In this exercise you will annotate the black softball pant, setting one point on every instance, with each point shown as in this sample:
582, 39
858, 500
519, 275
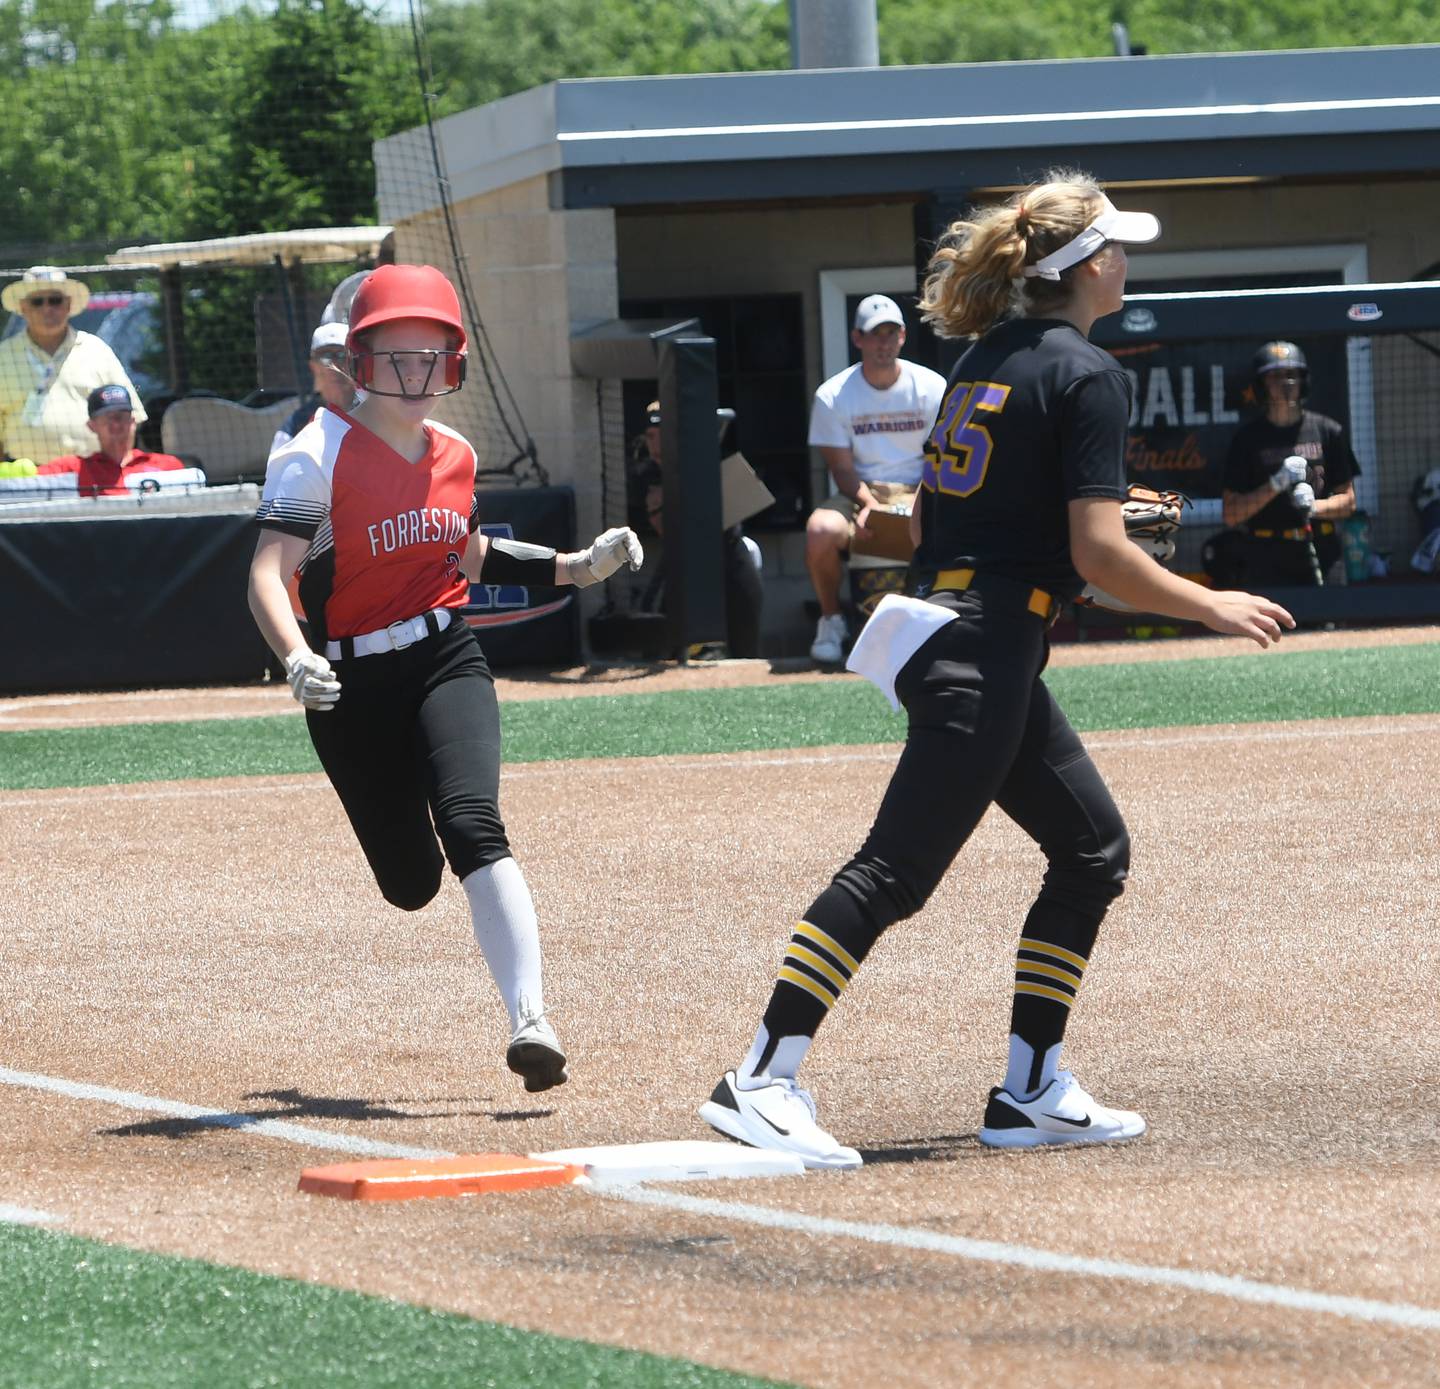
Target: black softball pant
415, 737
984, 728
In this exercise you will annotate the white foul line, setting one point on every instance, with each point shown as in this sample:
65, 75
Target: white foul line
24, 1215
214, 1118
1040, 1260
897, 1236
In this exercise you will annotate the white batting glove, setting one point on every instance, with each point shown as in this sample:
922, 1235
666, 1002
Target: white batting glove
1290, 472
1303, 498
605, 555
312, 680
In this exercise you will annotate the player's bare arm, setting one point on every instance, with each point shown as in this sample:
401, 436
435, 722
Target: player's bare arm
841, 463
312, 679
1105, 557
1336, 506
1238, 507
276, 555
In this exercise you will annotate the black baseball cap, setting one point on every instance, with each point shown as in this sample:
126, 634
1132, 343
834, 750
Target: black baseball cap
105, 400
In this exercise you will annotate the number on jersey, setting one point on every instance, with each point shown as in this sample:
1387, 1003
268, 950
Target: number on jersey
957, 453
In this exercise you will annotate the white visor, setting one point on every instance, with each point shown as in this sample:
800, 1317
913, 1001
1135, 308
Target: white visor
1110, 225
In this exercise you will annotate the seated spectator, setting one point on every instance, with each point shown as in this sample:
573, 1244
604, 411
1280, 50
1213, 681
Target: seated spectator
744, 594
870, 423
48, 372
103, 473
329, 378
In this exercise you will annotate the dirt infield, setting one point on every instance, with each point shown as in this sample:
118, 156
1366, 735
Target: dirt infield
1264, 992
142, 706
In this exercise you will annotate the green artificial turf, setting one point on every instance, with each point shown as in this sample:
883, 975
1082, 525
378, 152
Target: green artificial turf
75, 1314
1265, 687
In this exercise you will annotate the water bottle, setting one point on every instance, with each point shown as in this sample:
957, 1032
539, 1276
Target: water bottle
1355, 543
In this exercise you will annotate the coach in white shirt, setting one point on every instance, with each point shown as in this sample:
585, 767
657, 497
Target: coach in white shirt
870, 423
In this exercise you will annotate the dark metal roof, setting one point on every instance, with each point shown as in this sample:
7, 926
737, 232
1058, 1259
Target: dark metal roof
857, 132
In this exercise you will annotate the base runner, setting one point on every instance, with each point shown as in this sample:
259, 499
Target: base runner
375, 511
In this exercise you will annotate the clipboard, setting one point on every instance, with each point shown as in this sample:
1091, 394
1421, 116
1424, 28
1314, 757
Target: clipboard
742, 494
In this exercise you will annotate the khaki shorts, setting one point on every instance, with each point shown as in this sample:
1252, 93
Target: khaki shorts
889, 537
886, 493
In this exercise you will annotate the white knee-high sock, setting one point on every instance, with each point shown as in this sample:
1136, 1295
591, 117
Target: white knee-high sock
503, 916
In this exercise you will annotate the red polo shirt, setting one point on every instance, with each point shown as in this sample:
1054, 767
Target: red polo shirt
102, 476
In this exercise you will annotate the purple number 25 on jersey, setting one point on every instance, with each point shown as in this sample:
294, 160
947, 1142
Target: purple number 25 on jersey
957, 453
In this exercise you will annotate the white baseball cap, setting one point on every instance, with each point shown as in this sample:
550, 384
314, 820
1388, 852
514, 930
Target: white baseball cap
328, 335
1110, 225
874, 310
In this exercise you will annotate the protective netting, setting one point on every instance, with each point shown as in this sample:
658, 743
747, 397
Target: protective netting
138, 135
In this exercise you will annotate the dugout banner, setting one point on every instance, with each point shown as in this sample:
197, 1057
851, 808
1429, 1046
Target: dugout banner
1190, 399
153, 601
127, 603
520, 626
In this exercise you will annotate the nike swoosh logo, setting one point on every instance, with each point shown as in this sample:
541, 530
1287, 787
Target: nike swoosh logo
785, 1133
1061, 1119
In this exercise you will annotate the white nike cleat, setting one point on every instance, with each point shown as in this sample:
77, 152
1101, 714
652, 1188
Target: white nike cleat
535, 1053
778, 1115
1061, 1113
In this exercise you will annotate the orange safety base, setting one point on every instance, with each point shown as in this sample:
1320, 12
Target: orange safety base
406, 1179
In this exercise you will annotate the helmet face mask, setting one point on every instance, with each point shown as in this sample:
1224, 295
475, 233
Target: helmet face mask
1279, 356
407, 363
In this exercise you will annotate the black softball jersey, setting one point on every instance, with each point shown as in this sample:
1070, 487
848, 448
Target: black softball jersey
1034, 416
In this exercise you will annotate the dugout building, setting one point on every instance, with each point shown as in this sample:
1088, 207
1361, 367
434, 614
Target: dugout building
766, 204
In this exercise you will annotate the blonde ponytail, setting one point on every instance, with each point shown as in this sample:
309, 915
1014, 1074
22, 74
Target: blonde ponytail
974, 276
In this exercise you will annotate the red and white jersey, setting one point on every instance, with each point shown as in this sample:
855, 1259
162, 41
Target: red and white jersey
386, 535
99, 475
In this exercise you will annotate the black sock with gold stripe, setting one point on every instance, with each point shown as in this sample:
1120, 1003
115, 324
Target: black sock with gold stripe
826, 948
1049, 967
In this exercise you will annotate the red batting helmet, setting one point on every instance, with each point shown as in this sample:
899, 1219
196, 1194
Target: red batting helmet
392, 292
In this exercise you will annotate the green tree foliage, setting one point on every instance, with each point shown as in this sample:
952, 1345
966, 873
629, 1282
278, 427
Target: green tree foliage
948, 31
314, 83
77, 155
148, 120
309, 86
493, 48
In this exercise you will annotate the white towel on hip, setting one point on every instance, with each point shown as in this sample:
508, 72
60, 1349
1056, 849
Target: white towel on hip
897, 629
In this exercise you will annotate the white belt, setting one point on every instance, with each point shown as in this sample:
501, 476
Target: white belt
396, 637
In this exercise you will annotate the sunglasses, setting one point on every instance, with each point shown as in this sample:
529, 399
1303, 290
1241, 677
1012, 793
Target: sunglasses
47, 301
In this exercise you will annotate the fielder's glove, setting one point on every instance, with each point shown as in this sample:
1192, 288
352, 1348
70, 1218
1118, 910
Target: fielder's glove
1151, 520
312, 680
1290, 472
604, 557
1303, 499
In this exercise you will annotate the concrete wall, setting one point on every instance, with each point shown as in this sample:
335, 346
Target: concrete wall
1398, 222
